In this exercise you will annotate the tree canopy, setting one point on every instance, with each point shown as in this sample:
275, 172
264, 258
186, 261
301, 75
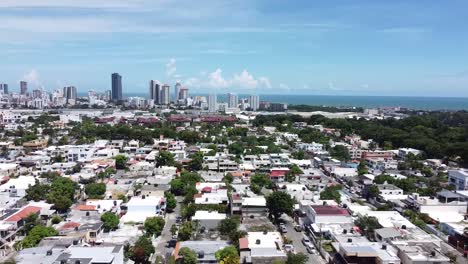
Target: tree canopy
110, 221
279, 203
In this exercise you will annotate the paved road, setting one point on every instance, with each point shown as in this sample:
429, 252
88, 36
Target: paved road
166, 235
296, 237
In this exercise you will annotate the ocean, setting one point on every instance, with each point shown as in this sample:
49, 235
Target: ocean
412, 102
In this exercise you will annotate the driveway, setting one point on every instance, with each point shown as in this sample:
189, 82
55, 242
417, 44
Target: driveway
296, 238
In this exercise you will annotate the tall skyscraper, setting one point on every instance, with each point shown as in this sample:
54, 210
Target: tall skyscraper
69, 94
116, 87
254, 102
183, 94
233, 101
177, 88
165, 98
23, 87
212, 103
155, 91
4, 88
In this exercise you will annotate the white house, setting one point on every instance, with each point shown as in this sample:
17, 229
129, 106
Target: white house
207, 219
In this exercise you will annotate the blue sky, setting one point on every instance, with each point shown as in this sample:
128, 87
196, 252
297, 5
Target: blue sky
267, 46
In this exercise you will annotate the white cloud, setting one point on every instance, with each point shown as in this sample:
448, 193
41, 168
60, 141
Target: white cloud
216, 79
265, 82
32, 77
171, 67
283, 86
244, 80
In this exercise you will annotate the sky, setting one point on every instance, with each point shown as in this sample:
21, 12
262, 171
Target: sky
360, 47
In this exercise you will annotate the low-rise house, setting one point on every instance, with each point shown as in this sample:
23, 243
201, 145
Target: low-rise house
404, 152
415, 254
366, 252
140, 208
446, 207
205, 249
73, 254
459, 179
208, 219
326, 214
17, 186
261, 247
9, 169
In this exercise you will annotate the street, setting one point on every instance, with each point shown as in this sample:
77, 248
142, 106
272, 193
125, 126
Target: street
166, 235
296, 237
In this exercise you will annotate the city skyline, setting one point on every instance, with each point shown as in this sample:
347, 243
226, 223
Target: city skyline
270, 47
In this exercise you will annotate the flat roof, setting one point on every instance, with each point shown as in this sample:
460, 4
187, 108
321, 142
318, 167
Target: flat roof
329, 210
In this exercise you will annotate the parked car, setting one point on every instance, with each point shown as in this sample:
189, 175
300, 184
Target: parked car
298, 228
283, 229
311, 249
289, 248
305, 240
172, 243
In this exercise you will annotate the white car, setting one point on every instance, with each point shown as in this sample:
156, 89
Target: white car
289, 248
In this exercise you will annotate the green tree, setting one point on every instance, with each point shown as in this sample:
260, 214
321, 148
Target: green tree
62, 193
225, 253
299, 258
261, 180
110, 221
56, 219
95, 190
279, 203
228, 178
165, 158
362, 167
35, 235
228, 225
120, 162
30, 222
196, 162
340, 152
331, 193
37, 192
185, 231
171, 202
368, 224
188, 256
177, 187
154, 225
141, 251
373, 191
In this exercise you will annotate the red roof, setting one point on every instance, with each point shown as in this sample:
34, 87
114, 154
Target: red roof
84, 207
206, 189
70, 225
329, 210
278, 173
23, 213
243, 243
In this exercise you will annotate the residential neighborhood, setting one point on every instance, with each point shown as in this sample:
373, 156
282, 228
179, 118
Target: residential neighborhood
109, 186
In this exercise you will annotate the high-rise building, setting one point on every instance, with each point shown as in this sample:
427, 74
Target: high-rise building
4, 88
37, 93
23, 87
69, 94
155, 91
165, 98
177, 88
116, 87
233, 101
183, 94
254, 102
212, 103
